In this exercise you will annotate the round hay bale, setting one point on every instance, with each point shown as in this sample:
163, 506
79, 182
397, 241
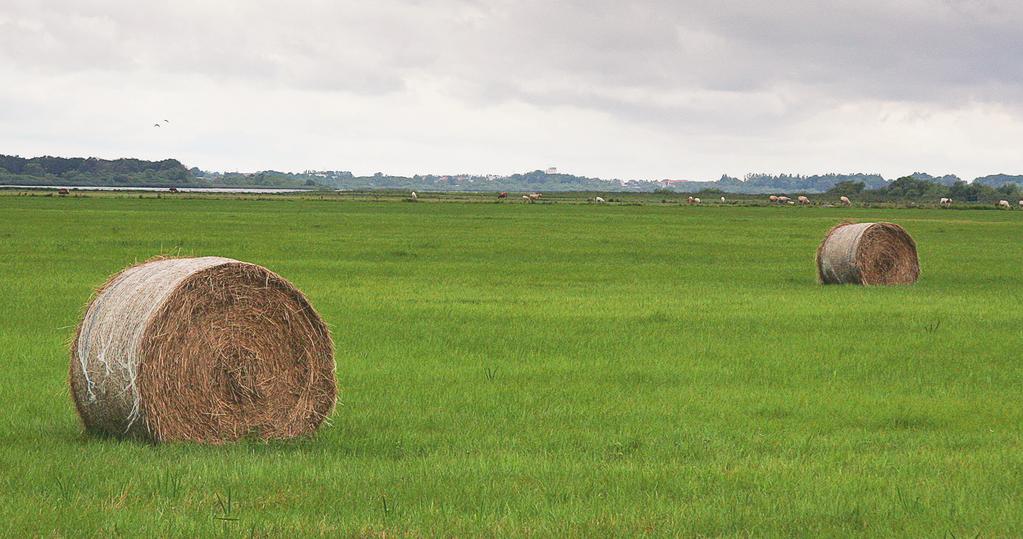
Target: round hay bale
868, 254
202, 349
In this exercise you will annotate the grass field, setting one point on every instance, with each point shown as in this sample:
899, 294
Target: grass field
566, 370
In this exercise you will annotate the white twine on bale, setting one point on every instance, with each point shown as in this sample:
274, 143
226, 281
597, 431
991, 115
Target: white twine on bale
838, 254
115, 324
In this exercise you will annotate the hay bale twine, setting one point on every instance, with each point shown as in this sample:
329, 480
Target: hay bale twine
869, 254
203, 349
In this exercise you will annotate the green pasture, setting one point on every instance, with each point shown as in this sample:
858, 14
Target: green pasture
563, 370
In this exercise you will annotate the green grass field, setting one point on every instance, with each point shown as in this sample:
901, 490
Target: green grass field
546, 370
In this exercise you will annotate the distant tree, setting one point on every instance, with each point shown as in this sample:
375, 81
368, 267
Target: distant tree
846, 188
33, 169
912, 188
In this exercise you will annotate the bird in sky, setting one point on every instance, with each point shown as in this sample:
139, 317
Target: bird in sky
156, 125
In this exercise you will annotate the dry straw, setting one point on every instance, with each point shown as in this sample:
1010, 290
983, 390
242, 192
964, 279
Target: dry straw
202, 349
867, 253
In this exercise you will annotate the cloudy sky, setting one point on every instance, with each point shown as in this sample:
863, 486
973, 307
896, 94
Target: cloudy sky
648, 89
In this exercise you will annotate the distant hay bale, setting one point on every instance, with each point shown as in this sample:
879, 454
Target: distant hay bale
202, 349
867, 254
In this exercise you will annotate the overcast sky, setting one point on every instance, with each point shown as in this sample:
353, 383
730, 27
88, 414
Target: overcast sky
680, 89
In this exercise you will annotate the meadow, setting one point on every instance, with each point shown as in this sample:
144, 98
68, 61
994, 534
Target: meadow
546, 370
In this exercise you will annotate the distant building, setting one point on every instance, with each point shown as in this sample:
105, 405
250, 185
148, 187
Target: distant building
551, 170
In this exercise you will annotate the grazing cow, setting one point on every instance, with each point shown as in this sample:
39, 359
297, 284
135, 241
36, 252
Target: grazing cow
772, 199
599, 200
63, 191
789, 202
1004, 204
945, 202
697, 201
173, 189
526, 199
845, 201
803, 201
690, 200
413, 197
784, 200
1021, 203
502, 194
722, 200
535, 196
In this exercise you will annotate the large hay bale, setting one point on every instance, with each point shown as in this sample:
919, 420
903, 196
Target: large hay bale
204, 349
869, 254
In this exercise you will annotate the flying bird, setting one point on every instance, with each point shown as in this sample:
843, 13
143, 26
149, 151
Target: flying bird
156, 125
166, 121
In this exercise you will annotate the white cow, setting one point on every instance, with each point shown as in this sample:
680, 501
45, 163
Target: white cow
784, 200
722, 200
599, 200
845, 201
697, 201
1021, 203
1004, 204
946, 202
690, 200
772, 198
526, 199
413, 197
804, 201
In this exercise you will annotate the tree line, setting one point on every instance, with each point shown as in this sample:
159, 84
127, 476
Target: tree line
91, 171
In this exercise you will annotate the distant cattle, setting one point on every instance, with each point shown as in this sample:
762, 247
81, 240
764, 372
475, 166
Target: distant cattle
526, 199
413, 197
1004, 204
946, 202
697, 201
804, 201
845, 201
1021, 203
722, 200
63, 191
173, 189
789, 202
535, 196
772, 198
784, 200
690, 200
599, 200
502, 195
